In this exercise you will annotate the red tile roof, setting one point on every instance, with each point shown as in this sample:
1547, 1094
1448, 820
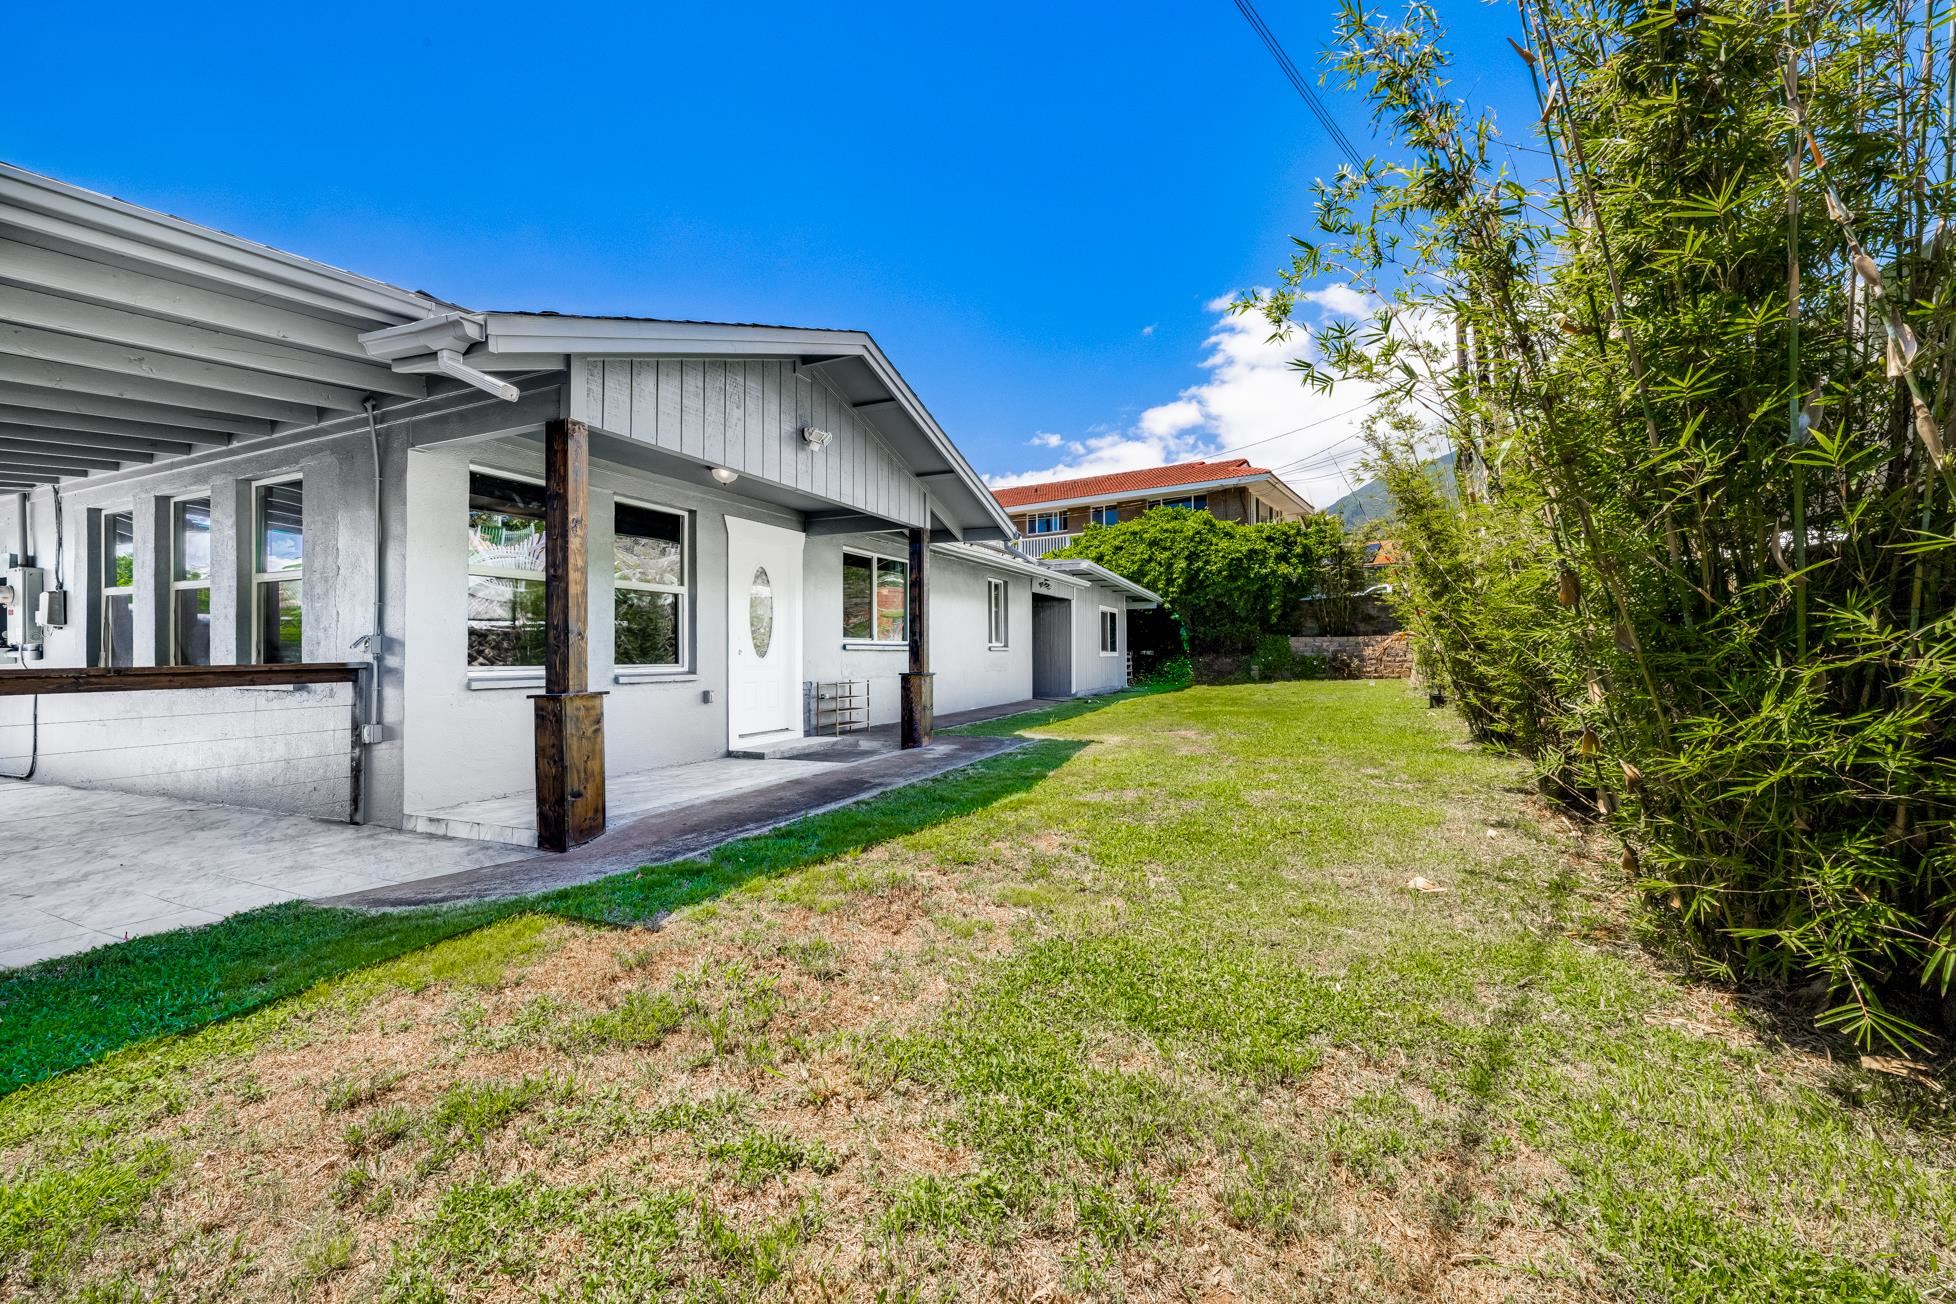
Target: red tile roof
1123, 482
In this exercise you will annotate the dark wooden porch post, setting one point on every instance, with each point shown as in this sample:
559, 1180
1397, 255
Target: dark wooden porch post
569, 717
915, 730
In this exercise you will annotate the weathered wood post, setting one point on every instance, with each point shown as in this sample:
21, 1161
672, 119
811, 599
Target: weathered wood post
569, 717
917, 711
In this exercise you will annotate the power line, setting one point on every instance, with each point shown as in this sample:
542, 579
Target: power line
1298, 83
1308, 425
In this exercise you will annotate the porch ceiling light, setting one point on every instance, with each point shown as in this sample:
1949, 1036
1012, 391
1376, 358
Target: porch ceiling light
725, 474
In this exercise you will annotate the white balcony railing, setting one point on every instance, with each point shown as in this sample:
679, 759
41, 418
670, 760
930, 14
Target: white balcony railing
1038, 545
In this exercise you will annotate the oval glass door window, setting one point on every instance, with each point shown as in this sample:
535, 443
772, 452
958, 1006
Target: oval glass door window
760, 612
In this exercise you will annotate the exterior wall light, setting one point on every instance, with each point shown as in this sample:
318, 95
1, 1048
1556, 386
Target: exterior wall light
816, 439
725, 474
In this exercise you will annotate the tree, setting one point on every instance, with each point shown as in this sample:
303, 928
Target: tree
1229, 583
1696, 367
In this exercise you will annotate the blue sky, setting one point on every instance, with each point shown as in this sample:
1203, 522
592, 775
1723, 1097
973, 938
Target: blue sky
1034, 208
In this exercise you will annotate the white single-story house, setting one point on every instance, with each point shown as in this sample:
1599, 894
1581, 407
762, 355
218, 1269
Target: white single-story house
280, 535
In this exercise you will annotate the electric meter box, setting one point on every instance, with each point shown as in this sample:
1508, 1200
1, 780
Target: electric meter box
21, 596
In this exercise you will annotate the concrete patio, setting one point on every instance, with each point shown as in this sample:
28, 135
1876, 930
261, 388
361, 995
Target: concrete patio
90, 866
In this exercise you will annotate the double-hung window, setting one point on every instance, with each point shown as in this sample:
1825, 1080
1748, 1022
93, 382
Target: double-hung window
118, 573
278, 572
1110, 632
875, 599
1046, 523
996, 612
648, 569
505, 600
190, 582
1105, 516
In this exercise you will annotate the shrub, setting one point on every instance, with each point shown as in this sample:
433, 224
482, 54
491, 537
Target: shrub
1227, 582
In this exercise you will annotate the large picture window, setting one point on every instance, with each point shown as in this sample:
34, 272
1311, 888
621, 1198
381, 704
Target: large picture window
875, 599
505, 605
118, 575
648, 569
190, 582
278, 572
1046, 523
1193, 503
997, 609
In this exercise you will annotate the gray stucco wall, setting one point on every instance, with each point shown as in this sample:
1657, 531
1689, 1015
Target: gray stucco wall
1094, 671
470, 734
969, 672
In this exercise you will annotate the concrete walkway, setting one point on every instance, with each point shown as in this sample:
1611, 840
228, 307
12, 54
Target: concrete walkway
86, 866
690, 829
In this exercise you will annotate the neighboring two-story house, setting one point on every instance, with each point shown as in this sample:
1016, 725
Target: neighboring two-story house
1051, 515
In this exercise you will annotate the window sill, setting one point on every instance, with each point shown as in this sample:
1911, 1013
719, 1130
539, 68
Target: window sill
998, 647
654, 677
512, 678
866, 645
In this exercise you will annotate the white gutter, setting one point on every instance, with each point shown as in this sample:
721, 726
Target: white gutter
997, 558
434, 346
1080, 566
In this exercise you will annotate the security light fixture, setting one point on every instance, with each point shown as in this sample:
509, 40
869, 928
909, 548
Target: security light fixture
817, 440
725, 474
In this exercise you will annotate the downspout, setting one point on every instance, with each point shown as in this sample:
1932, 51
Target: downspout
34, 702
371, 729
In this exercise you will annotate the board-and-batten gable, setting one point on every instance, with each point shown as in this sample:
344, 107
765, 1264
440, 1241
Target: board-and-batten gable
748, 415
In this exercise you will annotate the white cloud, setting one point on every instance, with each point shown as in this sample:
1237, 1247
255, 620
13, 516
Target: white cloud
1046, 439
1149, 329
1251, 400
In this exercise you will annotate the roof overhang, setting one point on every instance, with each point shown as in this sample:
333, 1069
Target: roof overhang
1000, 559
1081, 568
128, 336
848, 361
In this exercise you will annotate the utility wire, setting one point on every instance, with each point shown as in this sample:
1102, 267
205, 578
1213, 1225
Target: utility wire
1308, 425
1299, 83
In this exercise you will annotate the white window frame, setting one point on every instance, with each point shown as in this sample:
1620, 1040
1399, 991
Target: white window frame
176, 555
873, 641
998, 615
103, 652
1058, 520
1114, 627
496, 676
1105, 515
259, 578
684, 589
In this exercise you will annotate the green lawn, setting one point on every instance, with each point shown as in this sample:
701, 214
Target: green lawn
1146, 1010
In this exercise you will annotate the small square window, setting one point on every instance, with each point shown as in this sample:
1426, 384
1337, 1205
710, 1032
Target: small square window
875, 599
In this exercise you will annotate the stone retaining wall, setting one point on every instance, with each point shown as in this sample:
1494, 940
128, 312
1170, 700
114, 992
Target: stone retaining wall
1360, 656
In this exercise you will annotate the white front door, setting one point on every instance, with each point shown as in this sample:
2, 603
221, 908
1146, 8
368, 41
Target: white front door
763, 630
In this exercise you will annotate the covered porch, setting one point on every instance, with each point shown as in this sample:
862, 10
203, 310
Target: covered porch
218, 457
